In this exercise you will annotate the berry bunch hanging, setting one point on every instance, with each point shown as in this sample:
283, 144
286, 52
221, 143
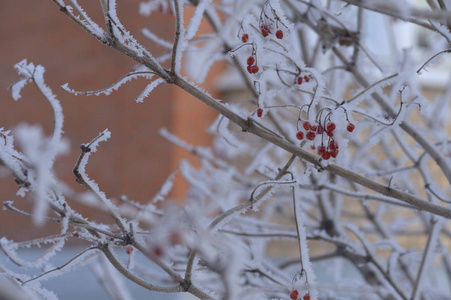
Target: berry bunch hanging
252, 67
323, 133
251, 62
270, 22
300, 79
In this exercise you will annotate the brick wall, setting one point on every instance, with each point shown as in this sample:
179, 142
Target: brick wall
136, 160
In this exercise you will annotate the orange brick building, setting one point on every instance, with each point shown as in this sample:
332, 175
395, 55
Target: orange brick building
136, 160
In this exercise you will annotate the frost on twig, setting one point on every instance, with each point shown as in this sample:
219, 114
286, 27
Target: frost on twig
92, 27
74, 262
108, 90
179, 40
33, 168
149, 88
83, 179
256, 222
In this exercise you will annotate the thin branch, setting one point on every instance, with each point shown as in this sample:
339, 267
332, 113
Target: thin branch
72, 220
8, 205
405, 125
178, 31
371, 86
425, 260
251, 201
431, 59
127, 274
370, 255
85, 151
185, 285
107, 90
62, 266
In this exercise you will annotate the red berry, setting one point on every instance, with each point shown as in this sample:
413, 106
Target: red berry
306, 78
331, 126
313, 147
334, 153
279, 34
259, 112
300, 135
306, 297
325, 155
314, 127
129, 249
158, 251
310, 135
294, 294
299, 80
250, 60
306, 125
321, 150
320, 129
330, 133
350, 127
252, 69
264, 29
245, 38
333, 145
255, 69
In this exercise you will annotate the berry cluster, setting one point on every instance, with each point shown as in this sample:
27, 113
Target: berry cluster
266, 31
300, 79
295, 294
252, 67
270, 20
328, 149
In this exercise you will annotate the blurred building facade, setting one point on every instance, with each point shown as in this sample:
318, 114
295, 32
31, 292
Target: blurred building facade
136, 160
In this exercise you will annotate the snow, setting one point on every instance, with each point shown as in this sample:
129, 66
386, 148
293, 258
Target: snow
83, 17
17, 87
149, 88
195, 20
